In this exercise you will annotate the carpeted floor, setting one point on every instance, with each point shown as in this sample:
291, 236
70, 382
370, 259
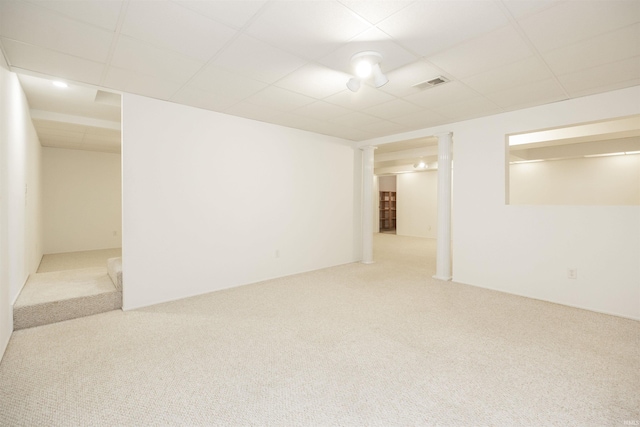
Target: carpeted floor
355, 345
77, 260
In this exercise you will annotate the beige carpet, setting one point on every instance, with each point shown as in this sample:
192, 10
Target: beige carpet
76, 260
356, 345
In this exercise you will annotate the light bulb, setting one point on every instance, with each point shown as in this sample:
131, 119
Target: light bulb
363, 69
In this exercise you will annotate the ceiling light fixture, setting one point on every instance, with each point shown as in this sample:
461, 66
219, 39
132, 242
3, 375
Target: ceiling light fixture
366, 65
60, 84
421, 165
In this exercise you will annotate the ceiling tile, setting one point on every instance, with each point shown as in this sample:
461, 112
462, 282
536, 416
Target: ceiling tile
572, 21
392, 109
393, 56
469, 108
252, 111
315, 81
215, 79
445, 94
427, 27
45, 61
322, 111
521, 8
382, 128
535, 93
422, 119
500, 47
140, 84
257, 60
75, 100
355, 119
42, 27
135, 55
606, 77
103, 13
375, 11
365, 97
170, 26
279, 99
610, 47
200, 98
217, 89
229, 12
310, 29
402, 80
525, 71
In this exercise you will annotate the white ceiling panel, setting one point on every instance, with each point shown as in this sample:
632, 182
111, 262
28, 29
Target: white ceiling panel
214, 79
322, 110
326, 81
219, 89
603, 78
572, 21
375, 10
526, 71
102, 13
427, 27
73, 100
229, 12
392, 109
310, 29
402, 80
140, 84
45, 61
469, 108
393, 55
252, 111
287, 62
525, 95
170, 26
444, 94
422, 119
258, 60
383, 128
521, 8
364, 98
200, 98
41, 27
355, 119
498, 48
279, 99
132, 54
610, 47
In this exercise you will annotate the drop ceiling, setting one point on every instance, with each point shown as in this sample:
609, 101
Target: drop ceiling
287, 62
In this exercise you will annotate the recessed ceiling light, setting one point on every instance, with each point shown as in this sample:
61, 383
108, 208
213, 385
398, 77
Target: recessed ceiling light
60, 84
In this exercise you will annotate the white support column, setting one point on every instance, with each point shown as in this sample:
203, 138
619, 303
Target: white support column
367, 204
443, 254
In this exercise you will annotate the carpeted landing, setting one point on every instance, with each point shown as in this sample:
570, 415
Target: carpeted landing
67, 286
354, 345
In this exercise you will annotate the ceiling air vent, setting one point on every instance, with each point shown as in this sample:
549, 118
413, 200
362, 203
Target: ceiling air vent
431, 83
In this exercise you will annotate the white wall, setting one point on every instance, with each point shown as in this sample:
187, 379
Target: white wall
417, 204
20, 220
82, 200
526, 250
387, 183
212, 201
609, 180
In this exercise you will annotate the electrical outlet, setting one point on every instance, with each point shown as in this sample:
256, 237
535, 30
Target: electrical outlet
277, 253
572, 273
115, 233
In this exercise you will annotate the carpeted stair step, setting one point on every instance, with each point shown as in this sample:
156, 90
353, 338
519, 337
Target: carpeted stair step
63, 295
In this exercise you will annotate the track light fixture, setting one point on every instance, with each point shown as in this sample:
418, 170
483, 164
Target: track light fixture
366, 65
